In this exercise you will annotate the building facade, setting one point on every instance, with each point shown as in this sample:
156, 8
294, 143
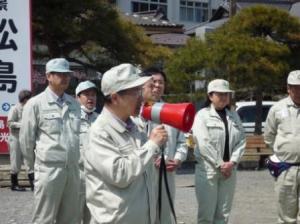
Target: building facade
186, 12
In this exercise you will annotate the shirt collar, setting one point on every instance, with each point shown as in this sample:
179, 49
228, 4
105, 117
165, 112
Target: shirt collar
52, 97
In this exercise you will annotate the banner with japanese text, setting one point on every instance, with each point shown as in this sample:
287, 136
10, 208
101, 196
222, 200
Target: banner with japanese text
15, 58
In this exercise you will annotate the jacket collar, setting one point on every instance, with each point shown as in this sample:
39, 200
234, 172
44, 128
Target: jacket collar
290, 102
87, 117
213, 112
114, 121
52, 97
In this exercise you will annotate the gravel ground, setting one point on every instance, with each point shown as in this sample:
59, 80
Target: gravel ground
254, 201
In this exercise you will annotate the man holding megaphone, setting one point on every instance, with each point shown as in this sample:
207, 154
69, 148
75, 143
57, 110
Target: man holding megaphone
175, 150
119, 167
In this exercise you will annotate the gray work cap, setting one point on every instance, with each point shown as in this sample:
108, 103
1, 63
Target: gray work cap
59, 65
84, 86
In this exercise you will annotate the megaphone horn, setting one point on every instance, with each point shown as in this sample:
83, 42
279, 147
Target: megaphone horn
180, 115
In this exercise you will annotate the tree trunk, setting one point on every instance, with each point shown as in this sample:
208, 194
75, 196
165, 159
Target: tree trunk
258, 112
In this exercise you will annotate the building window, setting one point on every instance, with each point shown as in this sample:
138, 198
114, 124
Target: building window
192, 11
149, 5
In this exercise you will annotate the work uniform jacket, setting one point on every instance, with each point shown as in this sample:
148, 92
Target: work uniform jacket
86, 122
282, 132
85, 125
214, 192
119, 173
14, 124
14, 119
50, 128
209, 132
51, 131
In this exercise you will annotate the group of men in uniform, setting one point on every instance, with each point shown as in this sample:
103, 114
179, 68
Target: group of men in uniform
97, 169
104, 169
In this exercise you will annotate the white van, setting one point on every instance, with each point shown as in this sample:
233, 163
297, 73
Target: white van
246, 111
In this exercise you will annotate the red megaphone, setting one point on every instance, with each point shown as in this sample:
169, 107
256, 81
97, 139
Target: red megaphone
179, 115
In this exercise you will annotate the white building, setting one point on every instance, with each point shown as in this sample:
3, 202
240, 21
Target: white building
186, 12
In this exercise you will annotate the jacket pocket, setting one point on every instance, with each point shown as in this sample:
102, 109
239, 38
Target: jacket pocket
53, 122
215, 131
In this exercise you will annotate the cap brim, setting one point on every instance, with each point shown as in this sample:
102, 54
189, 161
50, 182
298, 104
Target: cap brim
60, 71
138, 82
294, 83
221, 91
81, 90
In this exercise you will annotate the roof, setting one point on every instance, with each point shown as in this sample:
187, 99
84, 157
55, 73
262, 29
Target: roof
213, 25
160, 30
223, 11
150, 20
171, 39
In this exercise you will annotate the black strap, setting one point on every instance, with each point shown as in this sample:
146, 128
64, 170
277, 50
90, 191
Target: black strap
163, 173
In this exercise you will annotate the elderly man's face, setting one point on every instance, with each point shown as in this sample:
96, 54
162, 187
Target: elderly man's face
294, 92
131, 101
88, 98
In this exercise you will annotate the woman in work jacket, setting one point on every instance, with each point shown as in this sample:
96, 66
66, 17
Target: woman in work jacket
220, 143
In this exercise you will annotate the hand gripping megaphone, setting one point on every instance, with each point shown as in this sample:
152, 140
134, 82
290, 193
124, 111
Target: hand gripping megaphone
179, 115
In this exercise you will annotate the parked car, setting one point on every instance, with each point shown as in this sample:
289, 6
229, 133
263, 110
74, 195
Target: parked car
246, 111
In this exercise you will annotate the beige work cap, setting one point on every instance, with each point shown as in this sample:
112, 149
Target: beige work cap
121, 77
219, 85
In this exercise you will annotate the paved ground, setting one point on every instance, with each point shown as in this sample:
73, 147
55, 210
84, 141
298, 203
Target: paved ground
254, 201
253, 204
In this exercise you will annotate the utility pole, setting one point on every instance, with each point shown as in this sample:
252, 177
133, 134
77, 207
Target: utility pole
232, 8
209, 9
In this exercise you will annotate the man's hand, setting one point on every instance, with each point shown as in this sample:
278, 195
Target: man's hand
226, 169
159, 135
171, 165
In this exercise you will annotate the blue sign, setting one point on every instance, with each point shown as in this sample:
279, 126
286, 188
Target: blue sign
5, 107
